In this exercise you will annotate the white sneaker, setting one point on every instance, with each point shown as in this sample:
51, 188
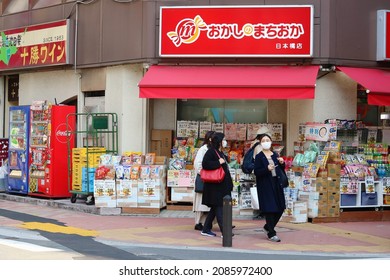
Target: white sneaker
274, 239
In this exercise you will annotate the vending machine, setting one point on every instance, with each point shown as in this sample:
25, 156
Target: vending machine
48, 149
18, 152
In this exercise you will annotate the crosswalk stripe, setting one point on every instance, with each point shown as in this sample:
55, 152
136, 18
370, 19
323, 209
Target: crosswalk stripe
27, 246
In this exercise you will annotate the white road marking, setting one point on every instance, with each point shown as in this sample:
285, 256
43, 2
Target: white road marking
27, 246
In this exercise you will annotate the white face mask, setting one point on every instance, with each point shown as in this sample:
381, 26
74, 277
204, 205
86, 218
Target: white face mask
224, 143
266, 145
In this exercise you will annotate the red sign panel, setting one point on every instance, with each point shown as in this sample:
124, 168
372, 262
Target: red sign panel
34, 46
246, 31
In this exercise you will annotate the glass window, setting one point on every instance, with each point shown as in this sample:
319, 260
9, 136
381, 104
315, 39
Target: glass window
45, 3
222, 111
16, 6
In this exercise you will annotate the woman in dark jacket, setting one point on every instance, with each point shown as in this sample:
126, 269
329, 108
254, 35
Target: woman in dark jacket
270, 181
213, 193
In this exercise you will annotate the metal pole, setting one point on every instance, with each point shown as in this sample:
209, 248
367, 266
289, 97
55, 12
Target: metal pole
227, 221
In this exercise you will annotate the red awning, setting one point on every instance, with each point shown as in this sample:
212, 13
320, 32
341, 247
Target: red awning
375, 80
229, 82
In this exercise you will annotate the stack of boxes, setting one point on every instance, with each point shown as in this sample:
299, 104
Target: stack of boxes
328, 189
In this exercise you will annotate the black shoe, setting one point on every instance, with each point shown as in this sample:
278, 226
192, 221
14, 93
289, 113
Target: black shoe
198, 227
233, 226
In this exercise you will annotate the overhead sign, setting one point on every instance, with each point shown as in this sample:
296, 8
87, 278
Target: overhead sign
35, 46
239, 31
383, 35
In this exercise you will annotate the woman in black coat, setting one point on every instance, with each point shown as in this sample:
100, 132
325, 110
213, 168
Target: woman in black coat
270, 181
213, 193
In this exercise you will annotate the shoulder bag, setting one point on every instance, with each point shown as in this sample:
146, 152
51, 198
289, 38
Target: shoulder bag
214, 175
198, 184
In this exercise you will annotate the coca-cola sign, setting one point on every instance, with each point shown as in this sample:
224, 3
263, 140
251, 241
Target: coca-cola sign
265, 31
63, 134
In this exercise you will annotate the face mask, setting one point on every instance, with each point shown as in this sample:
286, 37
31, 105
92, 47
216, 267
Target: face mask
266, 145
224, 143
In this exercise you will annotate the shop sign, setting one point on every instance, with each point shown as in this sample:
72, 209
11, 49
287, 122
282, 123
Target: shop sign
35, 46
320, 132
383, 35
246, 31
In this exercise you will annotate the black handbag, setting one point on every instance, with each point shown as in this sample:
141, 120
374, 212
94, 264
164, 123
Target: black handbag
283, 180
198, 184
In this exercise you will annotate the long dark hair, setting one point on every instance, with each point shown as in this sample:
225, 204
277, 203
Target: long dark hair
207, 138
216, 140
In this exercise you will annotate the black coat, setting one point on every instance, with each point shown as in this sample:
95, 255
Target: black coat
271, 196
213, 193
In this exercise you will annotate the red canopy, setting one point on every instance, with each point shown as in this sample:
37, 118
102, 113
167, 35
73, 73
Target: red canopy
229, 82
375, 80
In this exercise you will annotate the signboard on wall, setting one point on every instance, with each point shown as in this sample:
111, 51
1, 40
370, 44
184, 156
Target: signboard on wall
383, 35
35, 46
245, 31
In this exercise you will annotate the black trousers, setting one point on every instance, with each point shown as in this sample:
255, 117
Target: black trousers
271, 220
215, 211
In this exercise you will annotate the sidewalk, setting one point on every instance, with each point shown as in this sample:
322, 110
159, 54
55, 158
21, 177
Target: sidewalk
176, 229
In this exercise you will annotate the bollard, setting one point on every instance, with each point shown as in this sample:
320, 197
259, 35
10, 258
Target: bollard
227, 221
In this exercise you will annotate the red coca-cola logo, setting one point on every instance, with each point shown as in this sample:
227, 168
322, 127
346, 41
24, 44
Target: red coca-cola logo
63, 133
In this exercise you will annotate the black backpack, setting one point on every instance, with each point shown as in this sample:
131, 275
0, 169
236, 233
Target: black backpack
248, 163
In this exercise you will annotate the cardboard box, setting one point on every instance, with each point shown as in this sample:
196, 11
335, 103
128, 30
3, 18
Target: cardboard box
333, 197
320, 184
312, 209
334, 170
161, 142
182, 194
333, 210
322, 211
126, 191
105, 193
323, 197
333, 184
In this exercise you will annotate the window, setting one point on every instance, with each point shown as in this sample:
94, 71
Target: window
223, 111
15, 6
44, 3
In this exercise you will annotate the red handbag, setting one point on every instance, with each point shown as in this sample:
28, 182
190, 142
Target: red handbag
214, 175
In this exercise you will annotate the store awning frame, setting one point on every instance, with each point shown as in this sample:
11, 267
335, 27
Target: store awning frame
229, 82
376, 81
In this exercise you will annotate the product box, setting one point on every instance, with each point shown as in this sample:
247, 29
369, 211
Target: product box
182, 194
320, 184
333, 184
323, 197
161, 142
333, 197
105, 193
386, 199
348, 199
369, 198
308, 196
312, 208
151, 194
126, 191
322, 211
333, 210
334, 170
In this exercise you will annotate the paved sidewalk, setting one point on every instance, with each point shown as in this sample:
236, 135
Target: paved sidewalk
176, 229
